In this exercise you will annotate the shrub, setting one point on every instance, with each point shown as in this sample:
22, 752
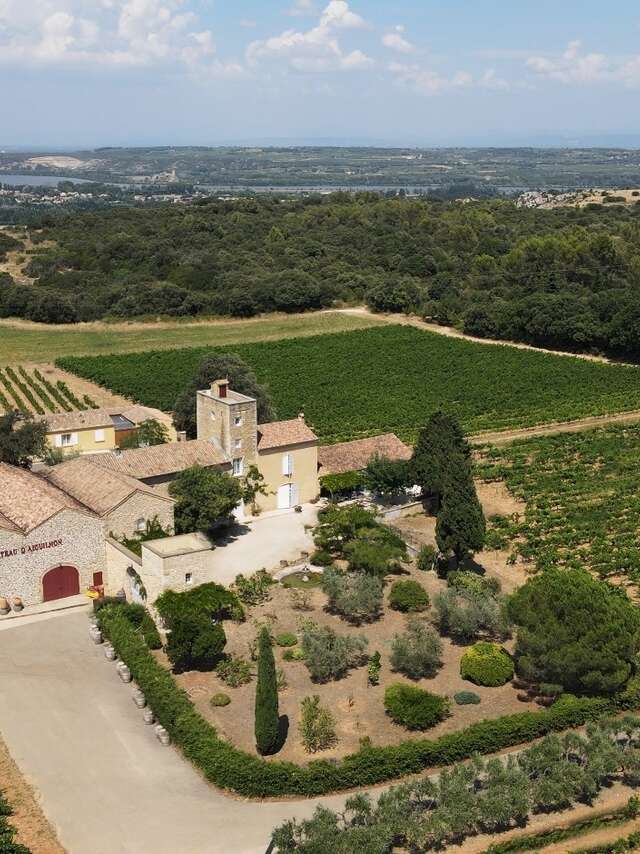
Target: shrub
211, 599
295, 654
300, 599
417, 652
255, 589
465, 614
267, 716
234, 672
286, 639
328, 655
374, 667
321, 557
356, 596
466, 580
466, 698
486, 664
414, 708
249, 776
548, 689
137, 615
8, 844
317, 725
220, 700
426, 560
408, 596
195, 643
629, 698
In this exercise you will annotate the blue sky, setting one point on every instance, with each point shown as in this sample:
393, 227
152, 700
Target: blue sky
118, 72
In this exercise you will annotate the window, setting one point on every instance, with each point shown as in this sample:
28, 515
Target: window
188, 578
238, 467
287, 465
97, 579
238, 444
99, 435
141, 525
66, 440
238, 420
213, 416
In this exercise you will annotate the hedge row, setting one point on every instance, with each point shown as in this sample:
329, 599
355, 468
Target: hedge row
240, 772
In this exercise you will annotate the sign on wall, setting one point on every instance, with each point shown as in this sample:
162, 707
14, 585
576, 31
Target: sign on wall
25, 550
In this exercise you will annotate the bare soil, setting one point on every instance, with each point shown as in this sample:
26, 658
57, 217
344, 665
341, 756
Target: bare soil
104, 398
357, 707
33, 829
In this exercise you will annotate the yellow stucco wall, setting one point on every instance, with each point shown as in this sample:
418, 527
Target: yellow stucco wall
304, 475
85, 441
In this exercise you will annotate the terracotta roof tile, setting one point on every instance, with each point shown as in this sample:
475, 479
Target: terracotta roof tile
88, 419
27, 500
158, 460
282, 434
95, 486
354, 456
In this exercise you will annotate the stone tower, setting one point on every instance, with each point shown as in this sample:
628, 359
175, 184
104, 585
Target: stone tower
229, 420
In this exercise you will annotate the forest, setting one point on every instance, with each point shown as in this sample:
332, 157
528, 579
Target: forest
564, 278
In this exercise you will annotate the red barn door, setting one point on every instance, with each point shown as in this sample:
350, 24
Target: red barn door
60, 582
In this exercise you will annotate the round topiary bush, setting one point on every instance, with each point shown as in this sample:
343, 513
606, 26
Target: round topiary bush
466, 698
408, 596
286, 639
414, 708
293, 654
220, 700
486, 664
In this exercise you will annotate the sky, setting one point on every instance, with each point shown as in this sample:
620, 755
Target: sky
84, 73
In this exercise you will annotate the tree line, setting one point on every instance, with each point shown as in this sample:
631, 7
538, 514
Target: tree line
566, 277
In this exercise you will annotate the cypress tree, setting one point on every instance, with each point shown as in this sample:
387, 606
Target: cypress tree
440, 440
266, 710
460, 526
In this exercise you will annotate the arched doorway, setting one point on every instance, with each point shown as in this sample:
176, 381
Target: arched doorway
60, 582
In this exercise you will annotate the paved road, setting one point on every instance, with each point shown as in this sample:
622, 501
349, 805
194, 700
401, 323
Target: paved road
106, 784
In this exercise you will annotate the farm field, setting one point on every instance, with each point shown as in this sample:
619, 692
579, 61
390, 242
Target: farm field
21, 341
39, 390
390, 379
581, 495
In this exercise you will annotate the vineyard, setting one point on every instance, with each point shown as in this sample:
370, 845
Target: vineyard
388, 379
581, 492
30, 391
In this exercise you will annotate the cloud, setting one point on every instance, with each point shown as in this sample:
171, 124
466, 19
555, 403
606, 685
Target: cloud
427, 81
572, 66
316, 50
302, 7
395, 40
116, 33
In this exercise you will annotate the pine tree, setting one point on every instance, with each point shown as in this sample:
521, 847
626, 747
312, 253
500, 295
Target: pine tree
460, 526
266, 710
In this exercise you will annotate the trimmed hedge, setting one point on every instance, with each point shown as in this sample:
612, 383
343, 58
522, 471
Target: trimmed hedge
487, 664
250, 776
413, 707
408, 596
466, 698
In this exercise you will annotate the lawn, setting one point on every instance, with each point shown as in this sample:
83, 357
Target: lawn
389, 379
35, 342
582, 503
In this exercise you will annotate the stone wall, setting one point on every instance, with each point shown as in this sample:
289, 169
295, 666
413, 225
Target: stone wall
118, 560
123, 520
69, 538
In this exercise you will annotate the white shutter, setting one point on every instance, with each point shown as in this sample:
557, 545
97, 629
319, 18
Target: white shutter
58, 440
74, 438
287, 464
99, 435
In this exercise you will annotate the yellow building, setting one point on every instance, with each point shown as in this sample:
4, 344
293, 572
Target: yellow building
93, 431
88, 432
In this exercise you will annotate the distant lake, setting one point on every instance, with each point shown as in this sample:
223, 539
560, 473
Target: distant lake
37, 180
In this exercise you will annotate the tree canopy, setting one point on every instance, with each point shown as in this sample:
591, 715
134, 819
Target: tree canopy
574, 631
216, 366
22, 439
205, 499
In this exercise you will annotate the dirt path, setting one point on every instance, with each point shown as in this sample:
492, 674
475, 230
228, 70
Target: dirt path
598, 837
503, 437
33, 829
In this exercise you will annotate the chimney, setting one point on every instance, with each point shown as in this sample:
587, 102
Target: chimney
181, 435
301, 416
219, 388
